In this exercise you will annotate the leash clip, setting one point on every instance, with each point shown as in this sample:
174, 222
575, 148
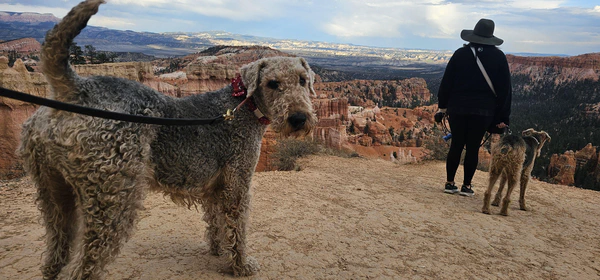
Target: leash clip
229, 115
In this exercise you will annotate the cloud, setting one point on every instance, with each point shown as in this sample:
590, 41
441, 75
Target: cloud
112, 22
429, 19
226, 9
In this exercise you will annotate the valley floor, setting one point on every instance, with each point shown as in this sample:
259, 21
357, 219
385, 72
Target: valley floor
347, 219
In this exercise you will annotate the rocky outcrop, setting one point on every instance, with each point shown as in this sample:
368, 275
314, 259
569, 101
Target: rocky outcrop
584, 61
368, 93
26, 45
333, 118
13, 112
563, 169
561, 69
27, 17
135, 71
586, 155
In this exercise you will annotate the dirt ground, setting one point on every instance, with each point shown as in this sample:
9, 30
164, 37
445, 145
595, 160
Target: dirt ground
347, 219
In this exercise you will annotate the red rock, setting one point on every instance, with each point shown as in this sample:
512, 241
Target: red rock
562, 168
26, 45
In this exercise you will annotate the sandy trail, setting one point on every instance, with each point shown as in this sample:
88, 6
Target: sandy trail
347, 219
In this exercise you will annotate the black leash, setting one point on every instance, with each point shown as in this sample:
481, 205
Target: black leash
447, 131
108, 114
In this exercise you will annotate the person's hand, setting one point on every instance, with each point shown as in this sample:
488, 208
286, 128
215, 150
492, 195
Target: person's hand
501, 125
438, 117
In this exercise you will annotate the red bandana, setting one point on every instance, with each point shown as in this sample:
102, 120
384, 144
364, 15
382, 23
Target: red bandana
240, 90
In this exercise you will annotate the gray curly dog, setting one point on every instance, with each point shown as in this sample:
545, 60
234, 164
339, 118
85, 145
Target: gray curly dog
92, 174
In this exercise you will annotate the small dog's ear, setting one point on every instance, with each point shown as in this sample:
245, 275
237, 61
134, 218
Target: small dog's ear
311, 77
547, 136
527, 132
251, 75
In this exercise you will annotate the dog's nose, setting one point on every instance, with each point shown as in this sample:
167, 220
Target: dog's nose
297, 120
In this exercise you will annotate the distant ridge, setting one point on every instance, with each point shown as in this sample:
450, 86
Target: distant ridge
538, 54
27, 17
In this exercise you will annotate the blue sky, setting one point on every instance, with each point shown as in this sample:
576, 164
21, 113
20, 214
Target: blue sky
537, 26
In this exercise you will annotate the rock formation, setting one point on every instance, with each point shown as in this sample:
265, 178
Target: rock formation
349, 113
563, 168
13, 112
26, 45
27, 17
565, 69
368, 93
333, 117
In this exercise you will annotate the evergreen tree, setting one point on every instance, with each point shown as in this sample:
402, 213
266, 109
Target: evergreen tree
91, 54
76, 54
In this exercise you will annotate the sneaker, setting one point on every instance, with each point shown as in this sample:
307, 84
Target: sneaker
466, 190
450, 188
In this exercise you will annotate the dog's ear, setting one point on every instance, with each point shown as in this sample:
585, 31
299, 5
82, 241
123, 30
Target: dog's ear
527, 132
545, 137
251, 75
311, 77
548, 138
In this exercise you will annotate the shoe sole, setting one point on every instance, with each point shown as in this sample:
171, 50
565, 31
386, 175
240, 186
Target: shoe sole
451, 191
466, 194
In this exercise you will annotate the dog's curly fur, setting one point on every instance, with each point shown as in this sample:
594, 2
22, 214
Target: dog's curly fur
513, 158
92, 173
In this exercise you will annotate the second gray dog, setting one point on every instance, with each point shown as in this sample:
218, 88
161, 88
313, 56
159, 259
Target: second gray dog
92, 173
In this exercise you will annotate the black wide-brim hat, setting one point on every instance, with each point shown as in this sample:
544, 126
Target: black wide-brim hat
482, 34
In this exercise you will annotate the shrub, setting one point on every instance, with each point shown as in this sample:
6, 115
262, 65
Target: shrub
439, 149
287, 152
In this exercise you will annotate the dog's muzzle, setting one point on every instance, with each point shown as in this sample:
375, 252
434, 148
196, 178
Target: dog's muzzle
297, 121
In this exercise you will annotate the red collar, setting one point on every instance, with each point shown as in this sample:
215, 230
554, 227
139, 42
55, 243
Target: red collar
240, 90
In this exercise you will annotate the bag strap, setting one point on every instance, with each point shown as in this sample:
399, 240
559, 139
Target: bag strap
485, 75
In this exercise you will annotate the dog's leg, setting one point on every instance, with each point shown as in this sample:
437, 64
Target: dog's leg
236, 202
512, 182
56, 202
215, 225
498, 196
109, 209
524, 181
494, 174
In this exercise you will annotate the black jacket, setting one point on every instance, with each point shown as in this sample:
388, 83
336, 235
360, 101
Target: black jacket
464, 89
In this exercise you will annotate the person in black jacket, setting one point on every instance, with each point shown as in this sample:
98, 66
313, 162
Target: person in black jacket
469, 101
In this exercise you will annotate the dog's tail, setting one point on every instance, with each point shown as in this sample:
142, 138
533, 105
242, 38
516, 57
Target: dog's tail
508, 143
55, 51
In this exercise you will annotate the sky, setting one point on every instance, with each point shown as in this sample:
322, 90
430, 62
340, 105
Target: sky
569, 27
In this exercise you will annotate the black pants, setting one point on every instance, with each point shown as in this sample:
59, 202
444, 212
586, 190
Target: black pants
467, 130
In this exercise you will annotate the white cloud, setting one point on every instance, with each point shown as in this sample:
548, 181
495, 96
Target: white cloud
228, 9
535, 4
432, 19
111, 22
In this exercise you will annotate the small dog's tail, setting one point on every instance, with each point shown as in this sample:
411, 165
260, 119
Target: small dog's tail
508, 143
55, 51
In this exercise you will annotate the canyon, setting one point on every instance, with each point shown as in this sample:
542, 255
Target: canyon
387, 119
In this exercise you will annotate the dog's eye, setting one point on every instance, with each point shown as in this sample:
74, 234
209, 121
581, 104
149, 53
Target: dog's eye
302, 81
273, 84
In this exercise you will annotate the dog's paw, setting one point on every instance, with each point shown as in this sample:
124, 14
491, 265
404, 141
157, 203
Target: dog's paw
525, 208
250, 268
485, 211
495, 202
